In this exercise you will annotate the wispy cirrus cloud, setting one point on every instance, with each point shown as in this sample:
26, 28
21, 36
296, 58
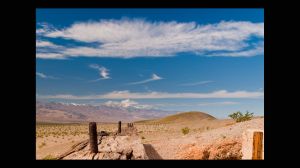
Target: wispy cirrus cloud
154, 77
40, 43
41, 75
159, 95
255, 50
49, 50
50, 56
217, 103
225, 103
196, 83
128, 38
103, 72
44, 76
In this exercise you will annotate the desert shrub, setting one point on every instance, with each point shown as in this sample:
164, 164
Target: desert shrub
239, 117
185, 130
206, 154
143, 137
228, 156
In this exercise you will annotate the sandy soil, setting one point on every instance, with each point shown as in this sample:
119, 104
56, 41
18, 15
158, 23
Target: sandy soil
200, 140
162, 141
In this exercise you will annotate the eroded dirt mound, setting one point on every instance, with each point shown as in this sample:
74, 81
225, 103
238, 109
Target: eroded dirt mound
229, 149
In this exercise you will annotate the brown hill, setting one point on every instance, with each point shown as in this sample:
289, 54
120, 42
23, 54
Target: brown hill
192, 116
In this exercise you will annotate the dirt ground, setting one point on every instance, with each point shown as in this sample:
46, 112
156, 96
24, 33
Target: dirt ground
161, 141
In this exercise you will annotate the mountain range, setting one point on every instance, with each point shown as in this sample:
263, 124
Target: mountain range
108, 112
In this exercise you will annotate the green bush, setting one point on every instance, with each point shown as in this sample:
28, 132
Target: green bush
239, 117
185, 130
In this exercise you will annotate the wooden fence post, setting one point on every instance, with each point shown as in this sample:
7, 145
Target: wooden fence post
93, 137
119, 127
257, 146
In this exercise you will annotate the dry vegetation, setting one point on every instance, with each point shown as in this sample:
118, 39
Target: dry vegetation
53, 139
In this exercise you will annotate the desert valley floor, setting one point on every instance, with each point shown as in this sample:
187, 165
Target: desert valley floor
162, 138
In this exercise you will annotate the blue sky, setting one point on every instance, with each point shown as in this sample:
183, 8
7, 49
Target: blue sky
209, 60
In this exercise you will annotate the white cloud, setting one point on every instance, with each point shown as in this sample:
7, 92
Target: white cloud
44, 76
50, 56
154, 77
256, 50
196, 104
127, 38
40, 43
41, 75
217, 103
196, 83
103, 72
123, 103
127, 103
159, 95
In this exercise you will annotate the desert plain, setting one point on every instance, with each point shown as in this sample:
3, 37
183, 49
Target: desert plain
190, 135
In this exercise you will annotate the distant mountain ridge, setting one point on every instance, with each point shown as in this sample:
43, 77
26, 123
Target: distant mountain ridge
108, 112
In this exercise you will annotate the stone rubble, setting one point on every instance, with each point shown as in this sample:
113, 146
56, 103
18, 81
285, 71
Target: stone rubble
113, 147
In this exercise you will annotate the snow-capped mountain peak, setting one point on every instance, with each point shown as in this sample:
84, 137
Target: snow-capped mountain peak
127, 103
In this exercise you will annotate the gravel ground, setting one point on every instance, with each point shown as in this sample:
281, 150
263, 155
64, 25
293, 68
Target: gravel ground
168, 149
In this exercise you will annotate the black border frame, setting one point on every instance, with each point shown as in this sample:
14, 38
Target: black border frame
178, 4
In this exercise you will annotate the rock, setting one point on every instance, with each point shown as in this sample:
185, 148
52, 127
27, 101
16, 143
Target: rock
123, 157
115, 156
111, 156
109, 144
114, 148
128, 153
120, 149
138, 151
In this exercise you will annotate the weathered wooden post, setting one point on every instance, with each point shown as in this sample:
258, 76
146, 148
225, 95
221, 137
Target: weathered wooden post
93, 137
253, 144
257, 146
119, 127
